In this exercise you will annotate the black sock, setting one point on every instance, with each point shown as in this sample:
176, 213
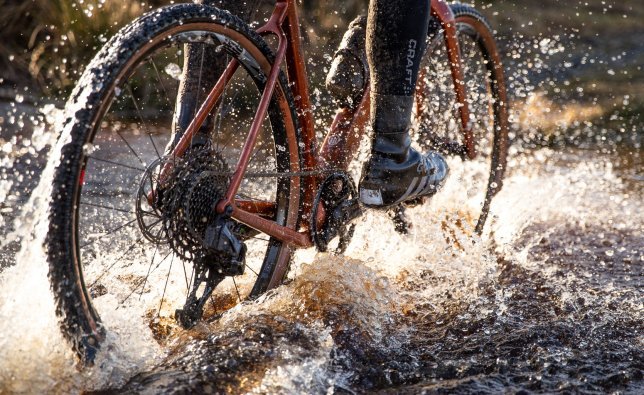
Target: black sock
396, 40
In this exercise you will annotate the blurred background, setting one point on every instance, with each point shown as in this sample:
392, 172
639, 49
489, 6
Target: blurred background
585, 56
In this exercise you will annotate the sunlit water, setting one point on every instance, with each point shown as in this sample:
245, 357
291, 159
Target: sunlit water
549, 298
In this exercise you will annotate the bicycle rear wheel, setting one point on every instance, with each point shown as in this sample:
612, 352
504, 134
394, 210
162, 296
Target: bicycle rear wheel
120, 120
437, 117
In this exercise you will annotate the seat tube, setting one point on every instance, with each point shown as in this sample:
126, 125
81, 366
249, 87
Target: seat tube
441, 10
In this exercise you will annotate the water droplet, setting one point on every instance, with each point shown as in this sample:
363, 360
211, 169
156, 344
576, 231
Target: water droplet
89, 148
173, 70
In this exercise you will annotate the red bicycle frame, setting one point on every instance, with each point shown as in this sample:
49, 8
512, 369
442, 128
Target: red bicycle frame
340, 143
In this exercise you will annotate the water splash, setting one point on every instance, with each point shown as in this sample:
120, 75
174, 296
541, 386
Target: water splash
33, 352
34, 355
551, 288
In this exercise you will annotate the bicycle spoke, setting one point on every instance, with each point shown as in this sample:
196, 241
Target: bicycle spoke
192, 275
145, 126
165, 286
127, 251
165, 92
150, 214
109, 232
197, 102
257, 149
130, 147
218, 117
154, 254
224, 109
156, 150
251, 269
221, 109
230, 139
116, 163
203, 51
142, 286
236, 289
106, 207
119, 258
185, 274
134, 182
156, 248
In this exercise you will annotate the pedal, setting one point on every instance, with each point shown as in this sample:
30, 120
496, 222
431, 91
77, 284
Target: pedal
348, 210
345, 239
338, 196
339, 224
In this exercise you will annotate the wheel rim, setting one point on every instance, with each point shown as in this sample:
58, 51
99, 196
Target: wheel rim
437, 118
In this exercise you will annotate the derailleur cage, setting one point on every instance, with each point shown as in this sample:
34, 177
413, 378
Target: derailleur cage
192, 310
224, 256
339, 197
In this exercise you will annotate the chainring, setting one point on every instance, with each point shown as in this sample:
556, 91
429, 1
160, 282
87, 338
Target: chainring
338, 195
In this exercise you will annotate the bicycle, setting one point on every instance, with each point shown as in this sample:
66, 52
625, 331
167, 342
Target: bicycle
238, 206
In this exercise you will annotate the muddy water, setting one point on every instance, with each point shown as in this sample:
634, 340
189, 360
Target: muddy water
548, 299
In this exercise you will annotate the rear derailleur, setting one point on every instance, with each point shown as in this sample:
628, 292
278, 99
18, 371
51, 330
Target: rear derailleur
222, 255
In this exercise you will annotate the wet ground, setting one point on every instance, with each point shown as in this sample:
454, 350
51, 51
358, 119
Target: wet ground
548, 299
553, 305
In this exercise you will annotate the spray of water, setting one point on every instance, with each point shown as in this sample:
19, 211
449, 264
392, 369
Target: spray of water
34, 355
335, 309
394, 308
28, 330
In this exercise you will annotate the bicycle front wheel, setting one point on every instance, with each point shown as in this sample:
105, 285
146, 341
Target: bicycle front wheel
108, 248
437, 116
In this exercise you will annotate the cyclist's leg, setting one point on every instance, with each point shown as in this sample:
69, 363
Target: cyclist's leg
202, 68
396, 39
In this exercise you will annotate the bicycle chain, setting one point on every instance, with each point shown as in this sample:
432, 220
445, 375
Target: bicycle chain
305, 173
196, 179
